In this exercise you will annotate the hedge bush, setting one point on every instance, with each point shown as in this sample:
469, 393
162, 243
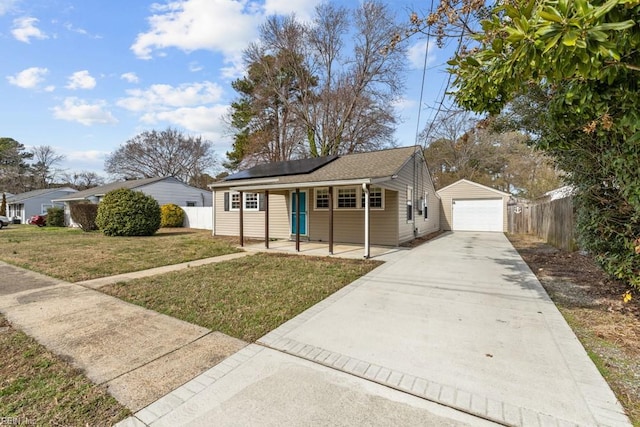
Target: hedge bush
55, 217
171, 215
84, 214
125, 212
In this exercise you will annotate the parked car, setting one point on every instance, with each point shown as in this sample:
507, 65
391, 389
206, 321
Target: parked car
39, 220
4, 221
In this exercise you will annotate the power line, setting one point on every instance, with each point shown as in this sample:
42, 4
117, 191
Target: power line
424, 73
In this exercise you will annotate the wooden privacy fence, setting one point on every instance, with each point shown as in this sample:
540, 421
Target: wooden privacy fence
552, 221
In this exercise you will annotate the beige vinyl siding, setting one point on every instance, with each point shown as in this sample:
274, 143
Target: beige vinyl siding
348, 224
463, 190
227, 223
416, 175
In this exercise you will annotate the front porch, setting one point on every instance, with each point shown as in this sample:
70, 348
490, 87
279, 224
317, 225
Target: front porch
340, 250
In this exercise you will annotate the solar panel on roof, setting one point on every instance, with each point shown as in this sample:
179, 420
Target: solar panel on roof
290, 167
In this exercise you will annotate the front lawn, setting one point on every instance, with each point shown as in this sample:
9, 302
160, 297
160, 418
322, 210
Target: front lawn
39, 388
245, 297
73, 255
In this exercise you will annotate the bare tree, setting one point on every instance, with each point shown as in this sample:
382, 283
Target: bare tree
340, 83
165, 153
43, 169
83, 180
352, 85
464, 148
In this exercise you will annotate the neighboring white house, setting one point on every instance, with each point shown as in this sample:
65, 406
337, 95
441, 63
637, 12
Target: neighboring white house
164, 189
24, 205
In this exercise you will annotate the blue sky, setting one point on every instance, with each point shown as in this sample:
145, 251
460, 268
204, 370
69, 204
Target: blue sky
84, 76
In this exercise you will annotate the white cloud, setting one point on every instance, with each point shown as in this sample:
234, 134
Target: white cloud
416, 53
81, 80
204, 121
77, 110
6, 6
130, 77
218, 25
162, 97
29, 78
24, 29
93, 156
302, 8
225, 26
195, 67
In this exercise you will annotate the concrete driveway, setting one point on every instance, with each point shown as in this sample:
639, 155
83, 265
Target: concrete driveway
457, 331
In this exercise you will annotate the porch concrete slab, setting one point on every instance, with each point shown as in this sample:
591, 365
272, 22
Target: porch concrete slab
270, 388
382, 253
112, 341
460, 320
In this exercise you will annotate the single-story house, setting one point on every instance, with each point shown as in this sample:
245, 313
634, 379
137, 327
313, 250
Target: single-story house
164, 189
325, 199
36, 202
469, 206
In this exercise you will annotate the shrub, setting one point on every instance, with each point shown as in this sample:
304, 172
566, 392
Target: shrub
171, 215
125, 212
55, 217
84, 214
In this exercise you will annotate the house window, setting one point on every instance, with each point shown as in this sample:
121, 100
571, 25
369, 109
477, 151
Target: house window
409, 203
347, 198
376, 198
322, 198
235, 201
425, 205
251, 201
191, 204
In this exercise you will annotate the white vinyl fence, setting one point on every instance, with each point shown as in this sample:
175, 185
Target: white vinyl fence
198, 217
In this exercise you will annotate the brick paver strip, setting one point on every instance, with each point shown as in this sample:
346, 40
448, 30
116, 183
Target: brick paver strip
461, 400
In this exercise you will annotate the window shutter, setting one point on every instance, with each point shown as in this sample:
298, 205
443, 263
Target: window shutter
261, 202
226, 201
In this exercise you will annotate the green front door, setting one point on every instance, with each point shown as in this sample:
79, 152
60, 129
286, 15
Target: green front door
303, 213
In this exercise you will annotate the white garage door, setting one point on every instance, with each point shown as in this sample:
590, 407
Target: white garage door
478, 215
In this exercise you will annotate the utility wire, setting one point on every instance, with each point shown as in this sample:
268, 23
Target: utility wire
424, 74
444, 93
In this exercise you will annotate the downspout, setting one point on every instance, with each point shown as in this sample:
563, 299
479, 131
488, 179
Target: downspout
330, 220
266, 219
367, 249
241, 219
297, 220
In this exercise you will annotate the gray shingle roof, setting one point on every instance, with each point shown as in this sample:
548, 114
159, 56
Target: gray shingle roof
37, 193
104, 189
373, 164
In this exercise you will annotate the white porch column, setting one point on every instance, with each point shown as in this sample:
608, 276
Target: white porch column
365, 190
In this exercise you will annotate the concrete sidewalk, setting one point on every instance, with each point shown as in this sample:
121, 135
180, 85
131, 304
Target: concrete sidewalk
460, 321
140, 355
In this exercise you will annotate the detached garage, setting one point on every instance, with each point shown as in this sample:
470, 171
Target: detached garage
469, 206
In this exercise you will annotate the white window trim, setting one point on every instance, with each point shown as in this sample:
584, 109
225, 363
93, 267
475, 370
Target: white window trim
382, 191
44, 207
410, 197
244, 201
425, 206
315, 199
358, 197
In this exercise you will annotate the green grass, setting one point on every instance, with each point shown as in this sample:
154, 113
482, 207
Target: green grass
73, 255
246, 297
39, 388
